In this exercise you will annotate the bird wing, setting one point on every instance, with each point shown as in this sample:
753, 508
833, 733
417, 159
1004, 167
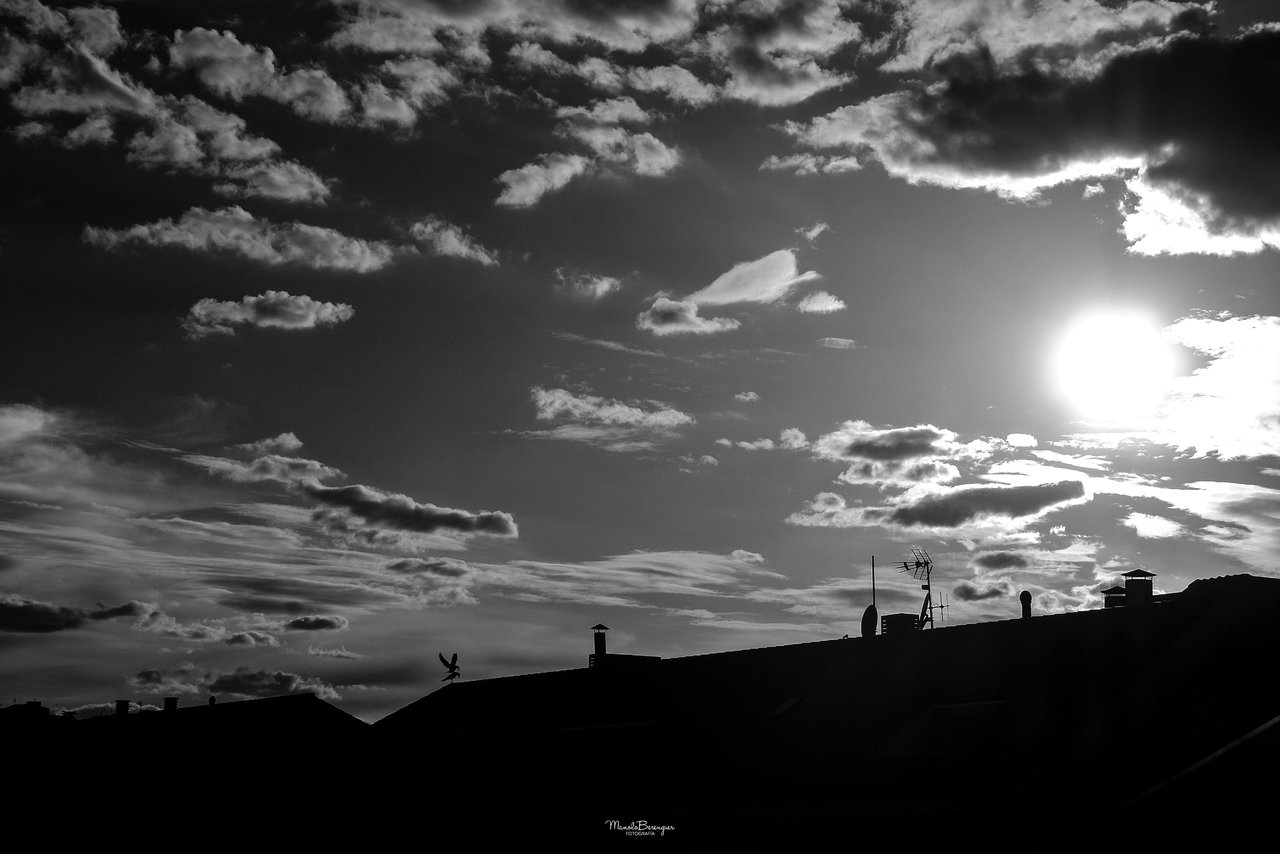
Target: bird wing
444, 660
454, 661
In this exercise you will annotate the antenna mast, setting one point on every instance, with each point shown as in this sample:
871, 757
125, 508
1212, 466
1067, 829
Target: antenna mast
921, 568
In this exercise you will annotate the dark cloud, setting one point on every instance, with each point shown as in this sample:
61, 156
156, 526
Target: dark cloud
1200, 114
443, 567
19, 614
1000, 560
317, 623
966, 591
401, 512
295, 597
898, 444
242, 682
250, 638
247, 682
956, 507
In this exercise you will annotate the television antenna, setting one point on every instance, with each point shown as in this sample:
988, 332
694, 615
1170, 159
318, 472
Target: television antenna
452, 666
921, 568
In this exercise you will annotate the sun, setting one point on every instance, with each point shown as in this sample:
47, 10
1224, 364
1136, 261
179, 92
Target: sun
1112, 365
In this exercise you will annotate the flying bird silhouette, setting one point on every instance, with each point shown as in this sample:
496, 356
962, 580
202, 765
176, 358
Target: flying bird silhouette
452, 666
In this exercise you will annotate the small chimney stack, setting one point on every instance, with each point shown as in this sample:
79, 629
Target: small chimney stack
170, 704
597, 658
1025, 599
122, 707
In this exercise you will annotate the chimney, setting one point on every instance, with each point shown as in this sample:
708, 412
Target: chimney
1113, 597
597, 659
122, 707
170, 704
1137, 587
1025, 599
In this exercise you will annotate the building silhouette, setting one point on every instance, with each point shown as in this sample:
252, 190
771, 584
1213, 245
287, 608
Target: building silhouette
1150, 721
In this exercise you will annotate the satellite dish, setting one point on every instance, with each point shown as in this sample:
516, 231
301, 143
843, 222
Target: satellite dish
870, 618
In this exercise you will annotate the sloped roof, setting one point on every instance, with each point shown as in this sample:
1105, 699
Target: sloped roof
1022, 711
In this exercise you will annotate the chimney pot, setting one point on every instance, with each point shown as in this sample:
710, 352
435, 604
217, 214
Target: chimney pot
170, 704
122, 707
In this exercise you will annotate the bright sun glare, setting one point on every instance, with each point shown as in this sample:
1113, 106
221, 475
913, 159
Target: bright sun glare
1112, 365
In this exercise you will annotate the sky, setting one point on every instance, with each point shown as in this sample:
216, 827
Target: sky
338, 335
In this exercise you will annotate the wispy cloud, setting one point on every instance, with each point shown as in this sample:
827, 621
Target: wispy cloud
441, 237
610, 424
235, 231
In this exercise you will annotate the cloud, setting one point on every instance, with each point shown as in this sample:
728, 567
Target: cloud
858, 440
677, 83
1199, 159
967, 591
339, 652
443, 238
968, 510
810, 164
774, 53
1228, 407
637, 579
1022, 440
1000, 560
77, 82
623, 110
820, 302
27, 616
525, 186
900, 472
765, 280
236, 70
400, 512
611, 424
813, 232
680, 317
235, 231
956, 507
789, 439
929, 32
746, 397
623, 27
317, 623
581, 285
19, 421
177, 134
271, 310
284, 443
437, 581
838, 343
269, 467
1152, 527
249, 682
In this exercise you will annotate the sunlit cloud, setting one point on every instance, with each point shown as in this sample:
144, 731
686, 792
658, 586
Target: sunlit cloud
765, 280
820, 302
271, 310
